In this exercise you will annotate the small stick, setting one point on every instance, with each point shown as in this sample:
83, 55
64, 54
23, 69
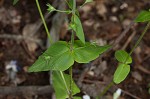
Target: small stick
128, 41
122, 34
26, 90
19, 37
129, 94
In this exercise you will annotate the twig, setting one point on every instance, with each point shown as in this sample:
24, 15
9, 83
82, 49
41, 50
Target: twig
26, 90
122, 34
129, 94
19, 38
141, 68
94, 82
129, 40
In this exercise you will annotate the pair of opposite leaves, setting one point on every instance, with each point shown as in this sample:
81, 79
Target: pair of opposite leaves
59, 56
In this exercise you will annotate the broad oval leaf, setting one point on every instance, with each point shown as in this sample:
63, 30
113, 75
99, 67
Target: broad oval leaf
121, 73
60, 62
57, 48
56, 57
85, 54
59, 86
122, 56
144, 16
78, 28
88, 52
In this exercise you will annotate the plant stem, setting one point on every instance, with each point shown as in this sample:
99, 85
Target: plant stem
106, 89
62, 75
71, 48
140, 38
70, 72
63, 11
43, 20
74, 7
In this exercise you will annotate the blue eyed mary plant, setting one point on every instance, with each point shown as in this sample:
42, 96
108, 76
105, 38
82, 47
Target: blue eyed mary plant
61, 55
123, 57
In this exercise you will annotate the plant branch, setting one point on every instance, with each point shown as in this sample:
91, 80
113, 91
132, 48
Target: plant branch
63, 11
62, 75
71, 48
42, 17
106, 89
71, 80
74, 7
140, 38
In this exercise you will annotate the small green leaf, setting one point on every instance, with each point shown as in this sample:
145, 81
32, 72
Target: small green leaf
59, 86
15, 2
56, 57
78, 28
50, 8
144, 16
122, 56
88, 52
121, 73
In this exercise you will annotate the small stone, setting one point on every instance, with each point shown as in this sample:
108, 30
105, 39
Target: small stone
137, 76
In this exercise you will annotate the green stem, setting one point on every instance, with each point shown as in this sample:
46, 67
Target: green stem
70, 72
140, 38
74, 7
63, 11
43, 20
106, 89
71, 48
62, 75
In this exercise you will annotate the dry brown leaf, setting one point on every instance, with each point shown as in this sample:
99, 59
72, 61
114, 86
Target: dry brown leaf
28, 31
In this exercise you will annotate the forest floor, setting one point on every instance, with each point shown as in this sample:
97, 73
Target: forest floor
103, 21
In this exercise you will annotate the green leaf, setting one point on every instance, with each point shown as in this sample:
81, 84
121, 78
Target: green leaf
144, 16
121, 73
50, 8
122, 56
59, 85
15, 2
78, 28
56, 57
88, 52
